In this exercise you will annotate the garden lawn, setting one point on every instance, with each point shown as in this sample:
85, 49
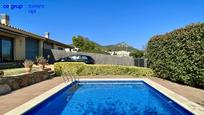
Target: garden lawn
15, 71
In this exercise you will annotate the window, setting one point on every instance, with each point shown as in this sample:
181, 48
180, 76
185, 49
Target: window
60, 48
84, 57
75, 57
6, 49
48, 45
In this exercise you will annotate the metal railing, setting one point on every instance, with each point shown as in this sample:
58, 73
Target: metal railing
70, 77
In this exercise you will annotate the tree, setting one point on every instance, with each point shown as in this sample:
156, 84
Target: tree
78, 42
85, 45
137, 54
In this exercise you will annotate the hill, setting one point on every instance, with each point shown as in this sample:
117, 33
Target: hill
120, 46
86, 45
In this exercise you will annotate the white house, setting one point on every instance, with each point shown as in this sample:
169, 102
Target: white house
75, 49
119, 53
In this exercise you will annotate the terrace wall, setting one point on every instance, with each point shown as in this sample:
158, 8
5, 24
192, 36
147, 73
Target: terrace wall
14, 82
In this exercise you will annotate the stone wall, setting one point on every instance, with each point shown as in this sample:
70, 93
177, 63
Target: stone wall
14, 82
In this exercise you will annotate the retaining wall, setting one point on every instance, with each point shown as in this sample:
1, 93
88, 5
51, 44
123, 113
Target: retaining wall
14, 82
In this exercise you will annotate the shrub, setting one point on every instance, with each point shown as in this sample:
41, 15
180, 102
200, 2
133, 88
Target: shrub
41, 60
81, 69
179, 55
28, 63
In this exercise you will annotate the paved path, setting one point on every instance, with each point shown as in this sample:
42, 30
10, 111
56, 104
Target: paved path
18, 97
193, 94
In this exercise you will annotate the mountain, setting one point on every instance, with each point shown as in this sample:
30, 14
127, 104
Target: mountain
120, 46
86, 45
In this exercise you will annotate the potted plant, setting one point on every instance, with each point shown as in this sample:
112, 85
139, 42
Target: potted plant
28, 64
41, 61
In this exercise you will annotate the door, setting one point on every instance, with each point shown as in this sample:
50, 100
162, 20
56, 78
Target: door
32, 48
6, 49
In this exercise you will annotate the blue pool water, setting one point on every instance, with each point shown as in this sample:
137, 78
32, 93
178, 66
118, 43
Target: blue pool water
108, 98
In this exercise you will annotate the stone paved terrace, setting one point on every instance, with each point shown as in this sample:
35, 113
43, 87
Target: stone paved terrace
18, 97
194, 94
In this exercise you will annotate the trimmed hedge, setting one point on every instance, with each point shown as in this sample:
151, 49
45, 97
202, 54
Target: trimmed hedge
179, 55
81, 69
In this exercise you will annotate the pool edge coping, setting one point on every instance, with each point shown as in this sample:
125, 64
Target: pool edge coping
180, 100
187, 104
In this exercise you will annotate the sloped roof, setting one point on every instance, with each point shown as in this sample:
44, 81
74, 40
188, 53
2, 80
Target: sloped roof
18, 31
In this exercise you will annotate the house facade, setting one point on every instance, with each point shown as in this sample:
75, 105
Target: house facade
120, 53
18, 44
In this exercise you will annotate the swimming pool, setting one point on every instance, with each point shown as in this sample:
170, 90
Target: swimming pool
59, 98
108, 97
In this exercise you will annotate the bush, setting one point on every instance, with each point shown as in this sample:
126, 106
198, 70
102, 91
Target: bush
81, 69
28, 63
41, 60
137, 54
179, 55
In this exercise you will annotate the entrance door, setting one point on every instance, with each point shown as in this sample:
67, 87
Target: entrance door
31, 48
6, 50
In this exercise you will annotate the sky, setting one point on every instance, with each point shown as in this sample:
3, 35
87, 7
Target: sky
103, 21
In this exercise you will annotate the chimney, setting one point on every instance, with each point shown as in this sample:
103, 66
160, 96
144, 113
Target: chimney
4, 19
47, 35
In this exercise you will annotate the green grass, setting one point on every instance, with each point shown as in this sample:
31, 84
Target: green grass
15, 71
